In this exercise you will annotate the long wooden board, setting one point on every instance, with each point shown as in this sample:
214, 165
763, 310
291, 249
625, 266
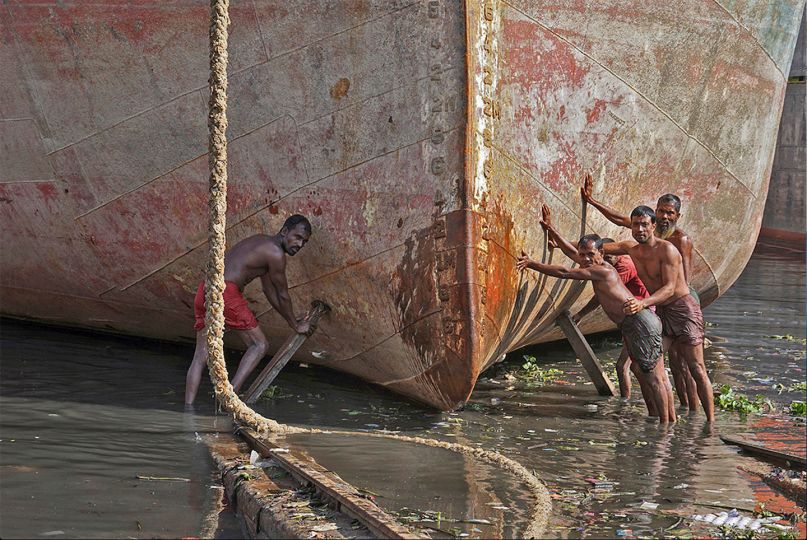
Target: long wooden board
345, 496
282, 357
796, 462
590, 362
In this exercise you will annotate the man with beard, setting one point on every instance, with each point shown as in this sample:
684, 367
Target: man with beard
668, 212
659, 265
641, 329
259, 256
629, 277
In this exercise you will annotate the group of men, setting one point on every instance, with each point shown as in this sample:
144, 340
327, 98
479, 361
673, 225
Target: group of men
643, 287
641, 284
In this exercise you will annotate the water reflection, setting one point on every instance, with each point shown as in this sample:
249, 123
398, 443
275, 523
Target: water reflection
81, 416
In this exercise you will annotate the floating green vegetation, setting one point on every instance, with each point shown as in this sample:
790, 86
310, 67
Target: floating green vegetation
273, 392
788, 337
798, 408
727, 399
532, 371
798, 387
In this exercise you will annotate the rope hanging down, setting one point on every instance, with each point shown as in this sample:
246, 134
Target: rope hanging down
217, 215
214, 289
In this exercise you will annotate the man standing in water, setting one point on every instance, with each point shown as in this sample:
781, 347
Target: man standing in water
668, 212
259, 256
641, 329
659, 265
627, 274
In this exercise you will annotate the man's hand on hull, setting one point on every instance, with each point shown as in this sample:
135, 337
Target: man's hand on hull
546, 217
587, 189
523, 262
632, 306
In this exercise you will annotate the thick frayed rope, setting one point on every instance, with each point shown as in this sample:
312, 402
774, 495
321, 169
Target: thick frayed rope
214, 289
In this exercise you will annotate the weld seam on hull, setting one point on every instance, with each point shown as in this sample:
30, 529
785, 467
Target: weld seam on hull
92, 299
753, 37
635, 90
166, 173
711, 270
264, 207
363, 23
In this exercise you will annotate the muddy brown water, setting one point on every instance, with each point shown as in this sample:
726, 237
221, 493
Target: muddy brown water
82, 416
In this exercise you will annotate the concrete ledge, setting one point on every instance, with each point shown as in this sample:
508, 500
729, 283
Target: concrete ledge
275, 507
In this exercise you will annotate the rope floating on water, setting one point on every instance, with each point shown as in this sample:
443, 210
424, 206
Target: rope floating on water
214, 289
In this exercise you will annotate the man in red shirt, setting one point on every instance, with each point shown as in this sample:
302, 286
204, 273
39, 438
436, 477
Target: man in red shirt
630, 278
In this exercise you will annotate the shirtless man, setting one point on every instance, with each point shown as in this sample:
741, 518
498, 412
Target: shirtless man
659, 265
627, 273
259, 256
640, 329
668, 212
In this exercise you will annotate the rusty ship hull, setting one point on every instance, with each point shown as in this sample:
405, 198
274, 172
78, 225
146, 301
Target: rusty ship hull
419, 136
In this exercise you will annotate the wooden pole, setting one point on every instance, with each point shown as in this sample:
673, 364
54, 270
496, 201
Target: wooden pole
581, 347
795, 462
282, 357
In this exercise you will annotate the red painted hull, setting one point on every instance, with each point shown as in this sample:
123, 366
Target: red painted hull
420, 138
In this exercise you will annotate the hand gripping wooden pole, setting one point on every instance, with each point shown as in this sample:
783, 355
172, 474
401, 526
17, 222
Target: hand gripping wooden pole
284, 354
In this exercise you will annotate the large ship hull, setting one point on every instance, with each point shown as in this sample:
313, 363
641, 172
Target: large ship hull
419, 137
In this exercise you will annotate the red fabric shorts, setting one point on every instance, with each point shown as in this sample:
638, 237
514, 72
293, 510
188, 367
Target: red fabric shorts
237, 314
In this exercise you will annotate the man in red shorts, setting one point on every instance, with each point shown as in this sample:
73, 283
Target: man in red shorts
259, 256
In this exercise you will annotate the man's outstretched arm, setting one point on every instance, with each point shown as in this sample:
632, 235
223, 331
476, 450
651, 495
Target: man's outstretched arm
555, 270
568, 249
612, 215
618, 248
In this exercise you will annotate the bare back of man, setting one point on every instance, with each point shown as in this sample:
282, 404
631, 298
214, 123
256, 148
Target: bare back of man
260, 256
642, 332
659, 265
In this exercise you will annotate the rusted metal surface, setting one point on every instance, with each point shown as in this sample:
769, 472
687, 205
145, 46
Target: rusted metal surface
420, 137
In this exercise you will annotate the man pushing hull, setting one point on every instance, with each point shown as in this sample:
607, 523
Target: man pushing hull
259, 256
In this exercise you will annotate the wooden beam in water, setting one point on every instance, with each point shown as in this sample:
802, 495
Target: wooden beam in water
581, 347
345, 496
284, 354
795, 462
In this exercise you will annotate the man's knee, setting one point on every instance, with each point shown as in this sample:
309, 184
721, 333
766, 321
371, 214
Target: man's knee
261, 347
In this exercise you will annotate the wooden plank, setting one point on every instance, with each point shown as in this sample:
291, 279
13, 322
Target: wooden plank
796, 462
282, 357
590, 362
347, 498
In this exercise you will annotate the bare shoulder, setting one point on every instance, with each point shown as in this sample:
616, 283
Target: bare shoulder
683, 238
272, 251
604, 271
669, 250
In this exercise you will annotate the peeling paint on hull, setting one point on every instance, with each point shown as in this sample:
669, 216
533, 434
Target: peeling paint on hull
420, 137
